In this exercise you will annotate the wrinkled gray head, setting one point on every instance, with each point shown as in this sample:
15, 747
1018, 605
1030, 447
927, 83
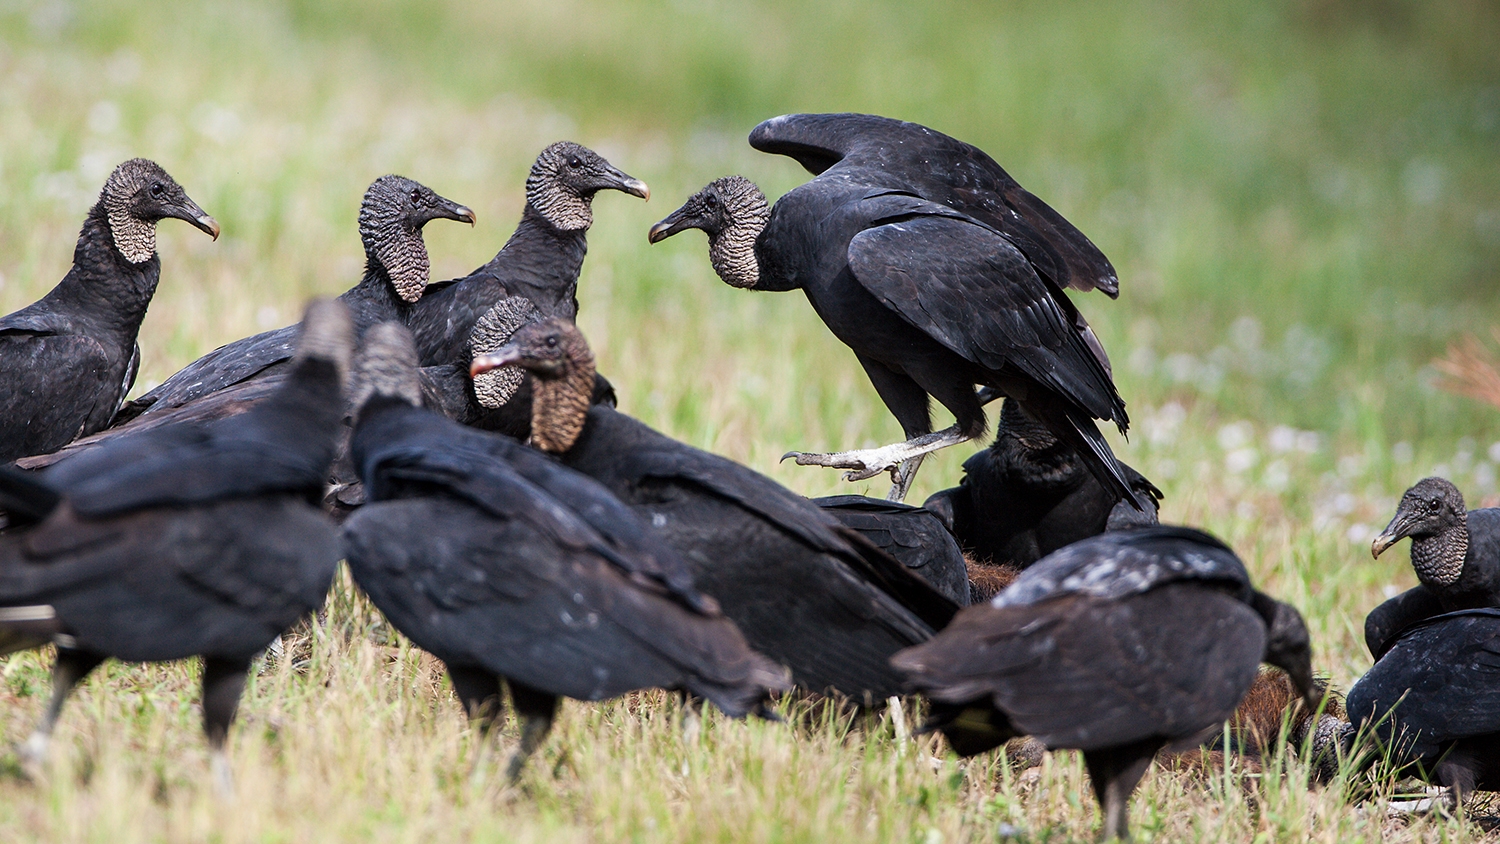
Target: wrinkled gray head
494, 387
1432, 506
386, 366
733, 212
563, 182
391, 218
327, 333
137, 195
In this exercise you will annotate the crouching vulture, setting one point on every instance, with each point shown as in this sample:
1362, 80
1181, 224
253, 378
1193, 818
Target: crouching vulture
509, 566
1432, 701
1455, 553
189, 539
806, 591
1118, 646
1030, 494
67, 361
941, 273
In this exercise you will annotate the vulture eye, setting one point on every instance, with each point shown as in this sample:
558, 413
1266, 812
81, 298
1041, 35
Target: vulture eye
157, 189
711, 201
551, 340
575, 162
416, 196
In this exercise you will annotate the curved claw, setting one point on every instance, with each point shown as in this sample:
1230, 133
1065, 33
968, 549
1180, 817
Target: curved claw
789, 455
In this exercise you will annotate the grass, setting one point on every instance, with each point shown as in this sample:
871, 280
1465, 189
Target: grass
1301, 200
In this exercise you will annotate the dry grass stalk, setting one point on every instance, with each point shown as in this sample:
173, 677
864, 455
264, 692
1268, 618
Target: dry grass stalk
1471, 369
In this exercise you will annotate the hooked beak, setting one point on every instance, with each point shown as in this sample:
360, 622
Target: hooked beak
190, 212
447, 209
508, 355
1393, 533
626, 183
671, 224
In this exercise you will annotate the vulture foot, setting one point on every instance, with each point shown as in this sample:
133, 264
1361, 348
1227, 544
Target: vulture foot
900, 459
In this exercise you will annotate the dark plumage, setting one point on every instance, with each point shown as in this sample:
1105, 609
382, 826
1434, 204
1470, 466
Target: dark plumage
233, 378
1456, 555
541, 261
191, 539
927, 260
391, 217
1028, 495
805, 590
68, 360
1432, 700
507, 565
913, 535
1118, 646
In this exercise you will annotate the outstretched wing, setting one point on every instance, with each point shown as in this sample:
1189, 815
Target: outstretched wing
882, 152
966, 286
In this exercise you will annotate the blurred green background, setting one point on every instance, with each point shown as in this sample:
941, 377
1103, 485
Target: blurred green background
1302, 198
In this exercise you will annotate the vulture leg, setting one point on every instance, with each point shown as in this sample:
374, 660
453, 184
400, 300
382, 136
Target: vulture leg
68, 671
1114, 774
223, 682
536, 709
479, 691
869, 462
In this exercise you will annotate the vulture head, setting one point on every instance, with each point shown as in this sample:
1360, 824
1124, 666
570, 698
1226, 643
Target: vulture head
558, 357
563, 182
386, 366
733, 212
135, 197
494, 387
391, 218
326, 333
1433, 514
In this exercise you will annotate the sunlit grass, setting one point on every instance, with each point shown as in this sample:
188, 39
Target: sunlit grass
1301, 199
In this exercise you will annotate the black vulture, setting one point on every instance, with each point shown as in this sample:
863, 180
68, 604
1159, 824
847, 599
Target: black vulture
1029, 494
498, 400
1432, 700
233, 378
391, 217
509, 566
540, 262
68, 360
1119, 645
805, 590
916, 251
183, 540
1456, 555
913, 535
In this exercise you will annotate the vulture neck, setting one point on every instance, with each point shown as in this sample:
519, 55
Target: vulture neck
103, 283
1439, 558
731, 250
541, 262
560, 406
732, 254
375, 299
